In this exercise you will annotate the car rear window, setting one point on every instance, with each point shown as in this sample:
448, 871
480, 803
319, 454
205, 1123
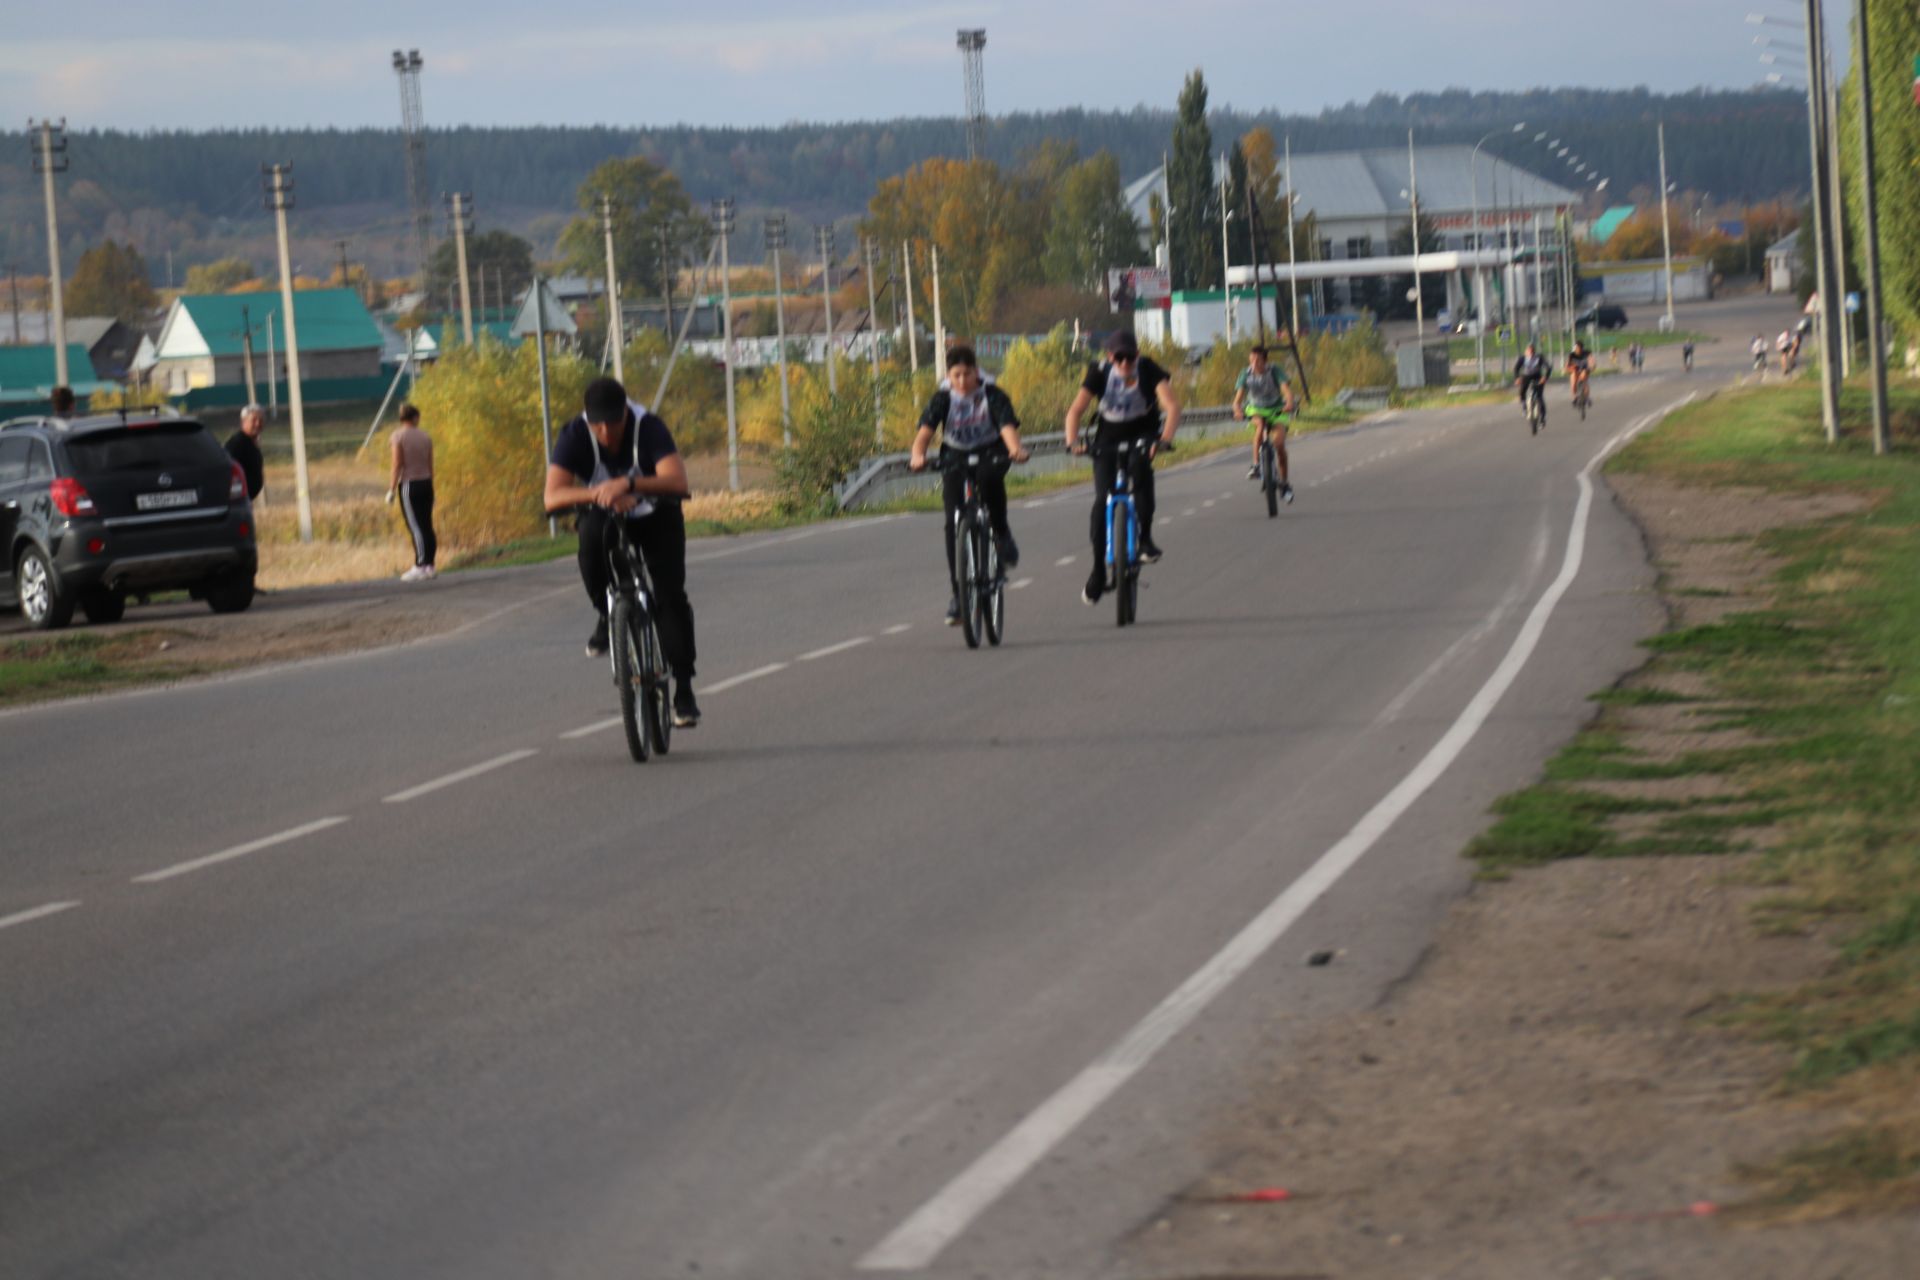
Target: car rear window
171, 444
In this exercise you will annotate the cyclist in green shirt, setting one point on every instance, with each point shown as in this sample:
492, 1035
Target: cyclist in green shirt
1263, 393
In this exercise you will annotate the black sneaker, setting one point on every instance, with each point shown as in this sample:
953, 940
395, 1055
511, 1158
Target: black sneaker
686, 712
1009, 551
597, 642
1149, 552
953, 612
1096, 585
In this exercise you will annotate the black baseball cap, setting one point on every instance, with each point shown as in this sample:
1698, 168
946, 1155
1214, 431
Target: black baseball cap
1123, 343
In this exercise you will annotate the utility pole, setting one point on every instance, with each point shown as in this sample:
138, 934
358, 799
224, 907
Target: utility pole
280, 199
1839, 217
723, 223
460, 215
826, 293
1226, 254
341, 245
273, 375
939, 325
1870, 237
1413, 197
538, 294
1822, 222
615, 338
913, 338
49, 158
666, 271
776, 233
1293, 266
1666, 224
873, 343
246, 352
1255, 240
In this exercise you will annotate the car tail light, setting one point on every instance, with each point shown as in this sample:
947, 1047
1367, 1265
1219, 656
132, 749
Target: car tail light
96, 545
237, 485
69, 499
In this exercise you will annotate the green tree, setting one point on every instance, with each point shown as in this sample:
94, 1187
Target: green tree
1894, 37
219, 277
111, 280
649, 207
1239, 229
1433, 284
493, 252
1190, 189
1092, 229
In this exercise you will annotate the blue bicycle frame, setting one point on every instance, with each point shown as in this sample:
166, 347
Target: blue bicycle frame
1122, 493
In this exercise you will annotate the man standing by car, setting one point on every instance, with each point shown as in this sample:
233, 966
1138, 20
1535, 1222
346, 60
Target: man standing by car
620, 461
243, 446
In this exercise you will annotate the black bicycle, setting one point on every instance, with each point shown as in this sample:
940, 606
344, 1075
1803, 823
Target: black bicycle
1536, 407
1271, 486
980, 578
639, 664
1581, 399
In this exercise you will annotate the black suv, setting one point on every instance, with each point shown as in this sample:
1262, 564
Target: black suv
1605, 315
92, 509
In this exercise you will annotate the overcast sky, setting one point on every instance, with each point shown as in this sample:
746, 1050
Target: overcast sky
248, 63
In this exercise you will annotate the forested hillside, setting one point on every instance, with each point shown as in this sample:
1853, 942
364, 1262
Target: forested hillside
197, 194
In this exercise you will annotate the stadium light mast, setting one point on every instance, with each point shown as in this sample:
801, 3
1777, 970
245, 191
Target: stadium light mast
413, 137
972, 43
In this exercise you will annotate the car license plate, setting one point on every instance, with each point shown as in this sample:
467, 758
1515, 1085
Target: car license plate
162, 501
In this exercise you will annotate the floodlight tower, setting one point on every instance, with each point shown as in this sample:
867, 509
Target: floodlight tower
971, 43
413, 136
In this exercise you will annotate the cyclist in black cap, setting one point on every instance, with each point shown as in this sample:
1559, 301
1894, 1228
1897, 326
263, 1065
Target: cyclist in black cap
1136, 401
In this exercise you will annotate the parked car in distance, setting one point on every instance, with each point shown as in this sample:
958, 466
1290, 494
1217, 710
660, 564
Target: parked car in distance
1604, 315
95, 509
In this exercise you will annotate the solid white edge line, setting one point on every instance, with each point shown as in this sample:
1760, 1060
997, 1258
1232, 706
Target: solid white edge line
36, 913
832, 649
745, 676
937, 1223
472, 771
238, 851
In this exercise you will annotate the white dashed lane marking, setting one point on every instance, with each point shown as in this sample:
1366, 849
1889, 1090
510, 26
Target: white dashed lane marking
816, 654
238, 851
36, 913
473, 771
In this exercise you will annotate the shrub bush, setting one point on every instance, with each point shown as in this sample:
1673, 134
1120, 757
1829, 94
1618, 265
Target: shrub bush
832, 435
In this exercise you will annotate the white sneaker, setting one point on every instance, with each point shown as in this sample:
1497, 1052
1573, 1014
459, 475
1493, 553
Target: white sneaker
412, 575
426, 572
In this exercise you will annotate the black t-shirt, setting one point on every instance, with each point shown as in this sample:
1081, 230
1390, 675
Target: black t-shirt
1579, 359
970, 422
1126, 405
645, 443
1536, 373
243, 449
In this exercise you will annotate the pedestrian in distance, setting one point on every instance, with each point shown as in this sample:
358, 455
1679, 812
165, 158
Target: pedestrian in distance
411, 479
61, 398
619, 461
972, 415
243, 446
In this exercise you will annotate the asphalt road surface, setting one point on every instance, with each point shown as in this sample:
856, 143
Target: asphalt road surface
908, 959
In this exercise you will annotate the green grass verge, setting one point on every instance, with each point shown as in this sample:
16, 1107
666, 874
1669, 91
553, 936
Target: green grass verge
64, 664
1824, 682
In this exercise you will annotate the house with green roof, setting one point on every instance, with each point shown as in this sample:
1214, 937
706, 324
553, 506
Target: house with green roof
28, 375
206, 341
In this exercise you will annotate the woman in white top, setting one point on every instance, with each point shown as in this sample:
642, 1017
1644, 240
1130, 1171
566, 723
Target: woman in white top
412, 480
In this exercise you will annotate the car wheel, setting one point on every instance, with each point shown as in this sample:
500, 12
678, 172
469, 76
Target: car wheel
42, 603
230, 594
103, 604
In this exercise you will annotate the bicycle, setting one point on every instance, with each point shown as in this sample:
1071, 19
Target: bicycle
1536, 408
639, 663
1686, 357
980, 578
1123, 526
1582, 398
1270, 482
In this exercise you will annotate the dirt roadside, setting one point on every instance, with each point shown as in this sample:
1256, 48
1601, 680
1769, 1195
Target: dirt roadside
1549, 1094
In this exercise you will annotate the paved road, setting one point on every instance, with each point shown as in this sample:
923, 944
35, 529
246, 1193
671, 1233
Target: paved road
395, 966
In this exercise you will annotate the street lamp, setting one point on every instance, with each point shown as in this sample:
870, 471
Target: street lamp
1479, 272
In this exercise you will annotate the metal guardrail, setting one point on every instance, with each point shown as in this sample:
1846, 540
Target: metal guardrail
887, 477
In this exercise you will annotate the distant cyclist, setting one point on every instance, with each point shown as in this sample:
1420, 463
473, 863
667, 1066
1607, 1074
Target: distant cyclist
1758, 349
1686, 354
1263, 394
1784, 345
1637, 357
1135, 399
1530, 374
973, 416
1580, 371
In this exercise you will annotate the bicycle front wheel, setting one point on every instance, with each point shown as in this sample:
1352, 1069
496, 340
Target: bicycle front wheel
627, 671
1270, 479
969, 548
1125, 563
655, 684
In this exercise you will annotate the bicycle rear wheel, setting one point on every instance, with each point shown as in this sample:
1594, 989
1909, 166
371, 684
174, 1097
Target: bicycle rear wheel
1270, 479
993, 593
627, 671
656, 684
969, 549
